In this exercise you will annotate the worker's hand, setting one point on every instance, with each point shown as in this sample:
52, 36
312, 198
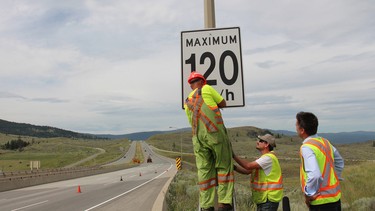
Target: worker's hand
308, 199
222, 104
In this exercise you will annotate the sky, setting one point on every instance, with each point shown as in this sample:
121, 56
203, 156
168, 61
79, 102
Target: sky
114, 67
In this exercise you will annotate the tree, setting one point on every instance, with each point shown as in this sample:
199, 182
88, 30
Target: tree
18, 144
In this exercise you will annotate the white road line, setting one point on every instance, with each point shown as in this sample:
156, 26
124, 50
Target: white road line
128, 191
21, 208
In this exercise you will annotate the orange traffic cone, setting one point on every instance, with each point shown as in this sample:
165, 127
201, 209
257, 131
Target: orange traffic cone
121, 178
140, 174
79, 189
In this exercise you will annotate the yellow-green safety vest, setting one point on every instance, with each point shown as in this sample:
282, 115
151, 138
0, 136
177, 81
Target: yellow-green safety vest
330, 188
267, 187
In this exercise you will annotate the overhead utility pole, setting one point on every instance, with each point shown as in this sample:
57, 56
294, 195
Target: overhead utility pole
209, 14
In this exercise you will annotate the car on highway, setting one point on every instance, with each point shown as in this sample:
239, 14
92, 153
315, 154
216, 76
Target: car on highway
149, 160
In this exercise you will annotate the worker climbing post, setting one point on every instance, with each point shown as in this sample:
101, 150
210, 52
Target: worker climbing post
211, 144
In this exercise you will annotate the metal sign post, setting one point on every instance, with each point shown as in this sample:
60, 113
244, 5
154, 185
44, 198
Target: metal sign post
209, 14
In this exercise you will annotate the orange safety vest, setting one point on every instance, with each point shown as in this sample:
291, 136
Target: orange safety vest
330, 188
210, 116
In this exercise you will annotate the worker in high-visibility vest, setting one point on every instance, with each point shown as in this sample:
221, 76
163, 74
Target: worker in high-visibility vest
212, 147
321, 166
266, 177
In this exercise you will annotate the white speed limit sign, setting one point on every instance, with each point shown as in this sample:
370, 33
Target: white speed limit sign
216, 54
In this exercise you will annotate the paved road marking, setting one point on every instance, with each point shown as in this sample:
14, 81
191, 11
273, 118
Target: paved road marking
21, 208
128, 190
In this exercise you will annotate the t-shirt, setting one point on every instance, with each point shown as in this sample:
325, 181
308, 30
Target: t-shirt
210, 96
266, 163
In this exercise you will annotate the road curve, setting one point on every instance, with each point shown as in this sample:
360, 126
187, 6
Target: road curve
140, 188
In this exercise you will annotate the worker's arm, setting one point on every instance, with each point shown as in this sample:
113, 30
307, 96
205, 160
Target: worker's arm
338, 162
314, 176
241, 170
222, 104
246, 164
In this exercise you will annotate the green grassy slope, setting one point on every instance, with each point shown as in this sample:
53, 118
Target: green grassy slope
358, 188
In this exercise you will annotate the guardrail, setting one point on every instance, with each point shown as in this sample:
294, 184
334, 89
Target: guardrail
38, 173
21, 179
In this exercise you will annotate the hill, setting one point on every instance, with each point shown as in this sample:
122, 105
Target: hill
140, 135
338, 138
131, 136
24, 129
349, 137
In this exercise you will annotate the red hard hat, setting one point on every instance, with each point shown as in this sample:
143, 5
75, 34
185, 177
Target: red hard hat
195, 75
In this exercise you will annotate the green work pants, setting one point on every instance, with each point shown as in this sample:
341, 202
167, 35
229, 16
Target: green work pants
213, 154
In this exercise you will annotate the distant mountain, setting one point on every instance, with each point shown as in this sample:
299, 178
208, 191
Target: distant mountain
349, 137
284, 132
139, 135
131, 136
24, 129
338, 138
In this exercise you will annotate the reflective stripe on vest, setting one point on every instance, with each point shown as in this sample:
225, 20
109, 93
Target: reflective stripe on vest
330, 188
195, 104
263, 186
268, 187
225, 178
207, 184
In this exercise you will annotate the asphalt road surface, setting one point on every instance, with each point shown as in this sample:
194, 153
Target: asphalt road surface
140, 188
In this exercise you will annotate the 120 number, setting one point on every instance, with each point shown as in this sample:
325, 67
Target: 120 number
211, 57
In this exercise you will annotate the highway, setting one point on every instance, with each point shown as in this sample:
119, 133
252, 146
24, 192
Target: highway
140, 188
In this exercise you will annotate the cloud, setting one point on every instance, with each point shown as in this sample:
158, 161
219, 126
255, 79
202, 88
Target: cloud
268, 64
109, 67
288, 46
10, 95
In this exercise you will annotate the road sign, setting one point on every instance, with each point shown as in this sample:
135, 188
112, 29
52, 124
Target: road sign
216, 54
178, 163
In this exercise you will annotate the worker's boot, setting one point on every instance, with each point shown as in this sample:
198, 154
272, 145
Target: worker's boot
225, 207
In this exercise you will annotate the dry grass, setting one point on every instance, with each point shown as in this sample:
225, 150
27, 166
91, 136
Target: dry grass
358, 188
59, 152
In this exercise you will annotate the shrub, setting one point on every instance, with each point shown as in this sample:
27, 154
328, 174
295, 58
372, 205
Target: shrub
18, 144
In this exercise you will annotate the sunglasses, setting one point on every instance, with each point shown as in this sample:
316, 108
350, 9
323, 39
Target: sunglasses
262, 141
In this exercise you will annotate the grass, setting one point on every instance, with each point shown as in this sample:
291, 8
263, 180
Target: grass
59, 152
358, 187
138, 157
183, 187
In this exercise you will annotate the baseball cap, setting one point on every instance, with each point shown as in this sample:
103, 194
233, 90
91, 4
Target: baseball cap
269, 138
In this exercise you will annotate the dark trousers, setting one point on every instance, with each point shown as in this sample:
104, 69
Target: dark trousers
268, 206
335, 206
